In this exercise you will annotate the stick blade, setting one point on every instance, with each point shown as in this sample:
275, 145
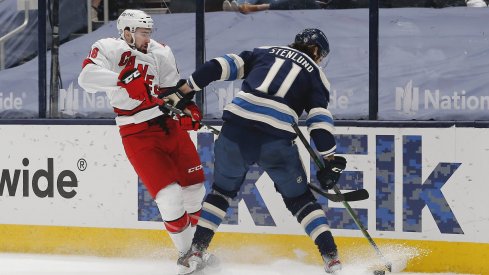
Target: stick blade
357, 195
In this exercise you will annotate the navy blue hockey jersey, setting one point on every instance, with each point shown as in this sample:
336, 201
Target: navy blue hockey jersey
280, 83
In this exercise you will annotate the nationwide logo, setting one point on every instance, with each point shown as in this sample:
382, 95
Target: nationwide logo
42, 182
340, 102
8, 101
409, 100
72, 101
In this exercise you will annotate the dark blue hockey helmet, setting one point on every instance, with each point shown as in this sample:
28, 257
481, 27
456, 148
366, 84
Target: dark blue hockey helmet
314, 37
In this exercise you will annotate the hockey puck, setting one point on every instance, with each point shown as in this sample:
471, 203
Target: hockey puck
379, 272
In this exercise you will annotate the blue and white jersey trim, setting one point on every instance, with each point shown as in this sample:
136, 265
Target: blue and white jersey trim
232, 66
320, 118
328, 152
192, 84
275, 114
324, 80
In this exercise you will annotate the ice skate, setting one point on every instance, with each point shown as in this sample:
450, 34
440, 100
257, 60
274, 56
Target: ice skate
234, 6
195, 260
190, 263
211, 262
226, 6
476, 3
230, 6
331, 262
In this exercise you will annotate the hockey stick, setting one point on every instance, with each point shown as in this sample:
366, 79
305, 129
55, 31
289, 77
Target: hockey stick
320, 165
355, 195
182, 113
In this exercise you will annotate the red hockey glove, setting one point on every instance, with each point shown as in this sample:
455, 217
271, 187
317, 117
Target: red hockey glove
131, 79
191, 122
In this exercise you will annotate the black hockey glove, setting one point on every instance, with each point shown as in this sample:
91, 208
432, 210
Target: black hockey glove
330, 174
177, 98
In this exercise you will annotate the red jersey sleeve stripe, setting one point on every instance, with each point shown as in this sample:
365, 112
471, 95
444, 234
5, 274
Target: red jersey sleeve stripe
86, 62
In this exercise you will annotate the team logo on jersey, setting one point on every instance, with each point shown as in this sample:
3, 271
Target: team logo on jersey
129, 60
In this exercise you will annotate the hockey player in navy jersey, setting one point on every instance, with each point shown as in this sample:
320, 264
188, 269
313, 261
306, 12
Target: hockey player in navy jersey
280, 83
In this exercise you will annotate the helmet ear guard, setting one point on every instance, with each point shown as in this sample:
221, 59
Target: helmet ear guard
314, 37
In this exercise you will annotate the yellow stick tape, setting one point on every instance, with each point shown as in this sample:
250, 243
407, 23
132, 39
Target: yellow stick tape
421, 256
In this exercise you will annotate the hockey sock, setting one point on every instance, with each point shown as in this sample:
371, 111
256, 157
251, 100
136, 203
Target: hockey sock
194, 217
180, 232
311, 216
213, 212
193, 196
170, 202
314, 221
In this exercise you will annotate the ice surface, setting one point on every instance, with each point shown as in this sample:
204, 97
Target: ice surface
29, 264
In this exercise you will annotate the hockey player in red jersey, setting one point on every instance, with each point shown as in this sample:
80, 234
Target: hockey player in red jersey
132, 70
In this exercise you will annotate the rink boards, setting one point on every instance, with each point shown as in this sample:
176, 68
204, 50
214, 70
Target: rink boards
70, 189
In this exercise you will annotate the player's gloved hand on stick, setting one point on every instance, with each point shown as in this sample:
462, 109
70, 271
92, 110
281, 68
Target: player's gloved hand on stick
330, 174
132, 80
192, 121
176, 97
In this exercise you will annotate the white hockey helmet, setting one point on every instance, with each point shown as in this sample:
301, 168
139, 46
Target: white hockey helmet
133, 19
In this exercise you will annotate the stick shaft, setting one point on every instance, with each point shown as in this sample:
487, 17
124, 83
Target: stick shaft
347, 206
182, 113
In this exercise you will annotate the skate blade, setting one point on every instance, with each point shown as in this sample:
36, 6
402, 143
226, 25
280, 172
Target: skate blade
197, 272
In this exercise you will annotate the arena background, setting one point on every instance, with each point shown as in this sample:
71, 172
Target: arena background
66, 186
